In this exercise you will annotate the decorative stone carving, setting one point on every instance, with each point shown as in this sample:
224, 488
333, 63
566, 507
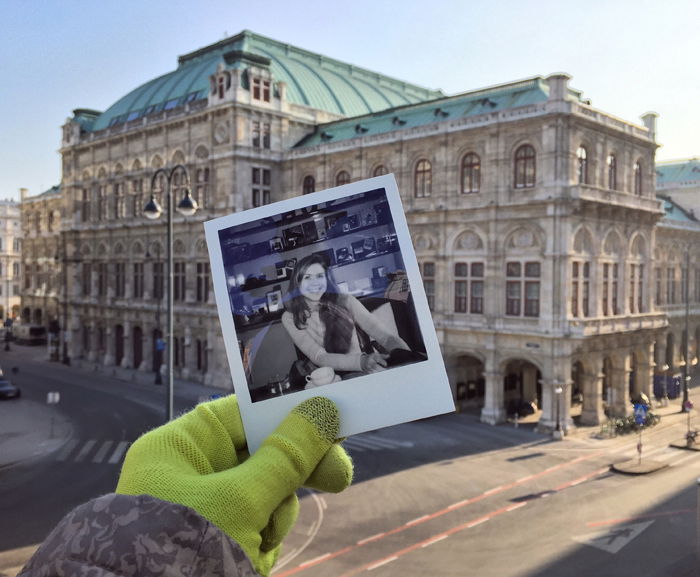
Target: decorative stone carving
469, 241
221, 133
523, 239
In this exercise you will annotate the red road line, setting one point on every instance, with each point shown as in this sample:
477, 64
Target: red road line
441, 512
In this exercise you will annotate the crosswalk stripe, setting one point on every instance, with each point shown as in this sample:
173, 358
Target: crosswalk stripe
102, 451
377, 443
87, 447
67, 450
118, 452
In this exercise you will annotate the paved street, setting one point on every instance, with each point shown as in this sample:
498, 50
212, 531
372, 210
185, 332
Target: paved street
447, 495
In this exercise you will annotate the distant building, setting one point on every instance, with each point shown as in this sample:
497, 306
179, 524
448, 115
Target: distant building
41, 257
679, 181
10, 259
534, 218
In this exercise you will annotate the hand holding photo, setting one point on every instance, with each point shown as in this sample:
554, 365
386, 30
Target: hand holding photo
346, 317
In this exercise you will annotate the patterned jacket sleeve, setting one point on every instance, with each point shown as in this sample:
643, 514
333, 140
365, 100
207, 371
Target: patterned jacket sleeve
137, 536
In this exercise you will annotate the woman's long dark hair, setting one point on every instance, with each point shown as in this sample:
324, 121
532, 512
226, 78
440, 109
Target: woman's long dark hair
332, 310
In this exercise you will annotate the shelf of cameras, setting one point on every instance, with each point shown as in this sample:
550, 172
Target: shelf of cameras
309, 226
356, 251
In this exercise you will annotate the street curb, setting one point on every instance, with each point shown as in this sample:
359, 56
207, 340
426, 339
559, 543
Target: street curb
634, 467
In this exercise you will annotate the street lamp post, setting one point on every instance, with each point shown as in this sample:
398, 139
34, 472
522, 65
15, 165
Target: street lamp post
558, 390
686, 406
187, 206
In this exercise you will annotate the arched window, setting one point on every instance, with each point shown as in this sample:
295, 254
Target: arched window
471, 173
612, 171
638, 178
381, 169
582, 164
524, 169
309, 184
423, 182
342, 178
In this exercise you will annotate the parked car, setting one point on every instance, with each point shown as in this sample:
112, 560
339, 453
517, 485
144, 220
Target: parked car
8, 390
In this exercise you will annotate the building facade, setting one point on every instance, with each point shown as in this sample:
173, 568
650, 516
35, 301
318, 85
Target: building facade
10, 259
534, 218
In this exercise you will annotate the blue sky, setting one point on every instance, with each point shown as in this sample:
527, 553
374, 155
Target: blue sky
627, 56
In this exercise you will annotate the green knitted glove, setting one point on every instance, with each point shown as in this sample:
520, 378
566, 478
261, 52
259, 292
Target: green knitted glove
201, 460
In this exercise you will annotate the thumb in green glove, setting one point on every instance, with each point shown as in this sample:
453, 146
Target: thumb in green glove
200, 460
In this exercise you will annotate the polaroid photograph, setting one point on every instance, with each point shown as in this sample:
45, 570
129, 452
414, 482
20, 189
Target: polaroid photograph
346, 317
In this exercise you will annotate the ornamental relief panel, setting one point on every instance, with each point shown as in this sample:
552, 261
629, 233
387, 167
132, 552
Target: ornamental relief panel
222, 134
469, 241
424, 242
522, 239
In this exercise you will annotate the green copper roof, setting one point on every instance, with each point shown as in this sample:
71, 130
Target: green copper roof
678, 172
493, 99
312, 80
675, 211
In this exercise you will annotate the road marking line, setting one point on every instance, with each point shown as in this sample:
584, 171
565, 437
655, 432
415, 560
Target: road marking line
516, 506
417, 520
315, 560
523, 479
477, 522
102, 452
372, 538
476, 499
433, 541
118, 452
383, 562
67, 450
459, 504
494, 490
87, 447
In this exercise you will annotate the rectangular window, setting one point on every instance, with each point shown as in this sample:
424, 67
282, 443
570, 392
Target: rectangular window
102, 279
697, 285
574, 289
586, 289
658, 283
179, 352
202, 356
179, 281
670, 286
613, 298
202, 282
158, 280
261, 186
520, 289
429, 283
87, 279
461, 286
684, 285
476, 301
266, 135
138, 280
202, 187
15, 269
255, 133
120, 279
640, 287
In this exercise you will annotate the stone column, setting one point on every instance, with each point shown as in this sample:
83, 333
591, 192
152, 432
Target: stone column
109, 345
620, 378
128, 358
592, 411
493, 412
91, 353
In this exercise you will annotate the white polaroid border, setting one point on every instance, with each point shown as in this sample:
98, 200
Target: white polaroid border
396, 395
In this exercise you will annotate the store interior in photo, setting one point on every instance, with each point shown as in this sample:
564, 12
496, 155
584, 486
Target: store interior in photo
357, 239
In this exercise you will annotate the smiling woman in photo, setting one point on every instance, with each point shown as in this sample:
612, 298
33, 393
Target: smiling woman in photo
323, 323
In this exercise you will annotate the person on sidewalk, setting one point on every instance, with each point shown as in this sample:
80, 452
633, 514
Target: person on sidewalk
191, 501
